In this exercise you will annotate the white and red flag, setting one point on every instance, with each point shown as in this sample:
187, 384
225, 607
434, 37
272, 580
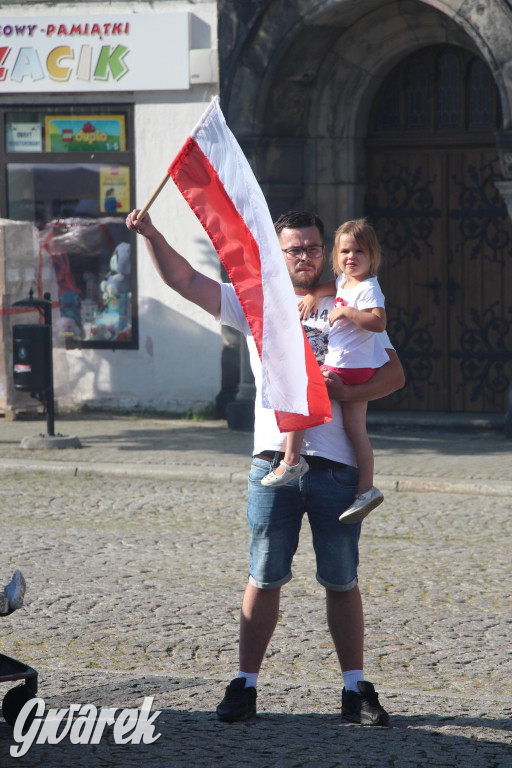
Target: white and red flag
215, 178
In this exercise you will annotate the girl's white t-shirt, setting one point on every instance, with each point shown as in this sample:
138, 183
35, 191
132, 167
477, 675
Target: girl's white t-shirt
328, 440
349, 345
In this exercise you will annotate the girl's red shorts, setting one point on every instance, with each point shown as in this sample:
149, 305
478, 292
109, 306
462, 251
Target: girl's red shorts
351, 375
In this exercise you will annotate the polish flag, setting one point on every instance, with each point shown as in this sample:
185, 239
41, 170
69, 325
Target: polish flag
214, 177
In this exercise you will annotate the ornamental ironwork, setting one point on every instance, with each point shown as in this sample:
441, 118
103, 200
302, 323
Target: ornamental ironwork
485, 354
409, 214
415, 347
481, 214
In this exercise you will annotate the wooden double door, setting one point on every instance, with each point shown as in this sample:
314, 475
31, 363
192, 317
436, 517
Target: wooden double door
447, 269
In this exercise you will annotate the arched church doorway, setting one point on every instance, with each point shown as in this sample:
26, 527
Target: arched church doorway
445, 232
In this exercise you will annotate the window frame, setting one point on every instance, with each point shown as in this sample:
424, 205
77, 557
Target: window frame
434, 134
122, 157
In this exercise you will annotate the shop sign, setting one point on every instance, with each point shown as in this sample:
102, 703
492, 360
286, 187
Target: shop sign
24, 137
119, 52
98, 133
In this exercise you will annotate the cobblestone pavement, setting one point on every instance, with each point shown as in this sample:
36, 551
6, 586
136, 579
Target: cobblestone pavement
135, 568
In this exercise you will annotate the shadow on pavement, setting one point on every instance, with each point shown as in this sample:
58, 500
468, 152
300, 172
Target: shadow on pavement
197, 740
211, 438
475, 443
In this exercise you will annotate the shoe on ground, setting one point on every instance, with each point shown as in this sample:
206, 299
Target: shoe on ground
363, 707
239, 702
15, 591
290, 473
362, 506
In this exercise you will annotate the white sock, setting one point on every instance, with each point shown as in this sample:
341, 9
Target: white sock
352, 678
251, 678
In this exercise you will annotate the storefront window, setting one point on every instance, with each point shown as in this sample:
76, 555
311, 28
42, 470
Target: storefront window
71, 174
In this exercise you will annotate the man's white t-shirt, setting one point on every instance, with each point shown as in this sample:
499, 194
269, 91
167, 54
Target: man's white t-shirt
351, 346
327, 440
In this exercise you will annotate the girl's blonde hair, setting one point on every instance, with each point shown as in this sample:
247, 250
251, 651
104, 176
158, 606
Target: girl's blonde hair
364, 235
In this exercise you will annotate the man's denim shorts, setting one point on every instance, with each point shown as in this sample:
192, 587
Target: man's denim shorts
275, 518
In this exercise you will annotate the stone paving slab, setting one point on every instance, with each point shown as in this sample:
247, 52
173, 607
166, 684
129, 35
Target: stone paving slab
134, 588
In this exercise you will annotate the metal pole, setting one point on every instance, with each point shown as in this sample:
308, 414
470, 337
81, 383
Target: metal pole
50, 402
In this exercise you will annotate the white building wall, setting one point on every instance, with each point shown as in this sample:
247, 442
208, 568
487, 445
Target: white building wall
177, 365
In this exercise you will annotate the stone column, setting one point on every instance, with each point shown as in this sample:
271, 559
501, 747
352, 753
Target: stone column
240, 413
505, 190
504, 144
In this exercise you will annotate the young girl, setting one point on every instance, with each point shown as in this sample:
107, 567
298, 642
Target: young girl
354, 352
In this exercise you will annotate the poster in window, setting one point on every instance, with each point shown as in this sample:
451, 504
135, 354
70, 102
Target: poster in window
86, 133
24, 137
114, 189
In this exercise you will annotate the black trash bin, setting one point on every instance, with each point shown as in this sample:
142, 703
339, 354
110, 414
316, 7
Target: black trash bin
31, 355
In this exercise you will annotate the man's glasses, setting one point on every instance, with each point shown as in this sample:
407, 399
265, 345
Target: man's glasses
309, 251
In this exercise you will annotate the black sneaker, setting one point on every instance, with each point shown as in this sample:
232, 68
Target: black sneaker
239, 702
363, 707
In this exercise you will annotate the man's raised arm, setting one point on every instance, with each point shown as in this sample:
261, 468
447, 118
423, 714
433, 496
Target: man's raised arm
384, 381
174, 269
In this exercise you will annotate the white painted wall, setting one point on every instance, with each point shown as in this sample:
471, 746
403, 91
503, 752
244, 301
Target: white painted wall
177, 365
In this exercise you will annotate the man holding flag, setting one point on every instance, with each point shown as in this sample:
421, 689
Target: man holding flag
275, 514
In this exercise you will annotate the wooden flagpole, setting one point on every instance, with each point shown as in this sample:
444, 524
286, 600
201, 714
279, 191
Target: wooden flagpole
153, 196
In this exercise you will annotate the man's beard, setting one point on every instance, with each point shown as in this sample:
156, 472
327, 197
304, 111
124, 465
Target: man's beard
305, 280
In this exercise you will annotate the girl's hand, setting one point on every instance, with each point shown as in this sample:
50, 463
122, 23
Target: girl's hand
336, 314
307, 305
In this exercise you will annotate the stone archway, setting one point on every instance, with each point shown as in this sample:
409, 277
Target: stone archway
261, 41
298, 81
